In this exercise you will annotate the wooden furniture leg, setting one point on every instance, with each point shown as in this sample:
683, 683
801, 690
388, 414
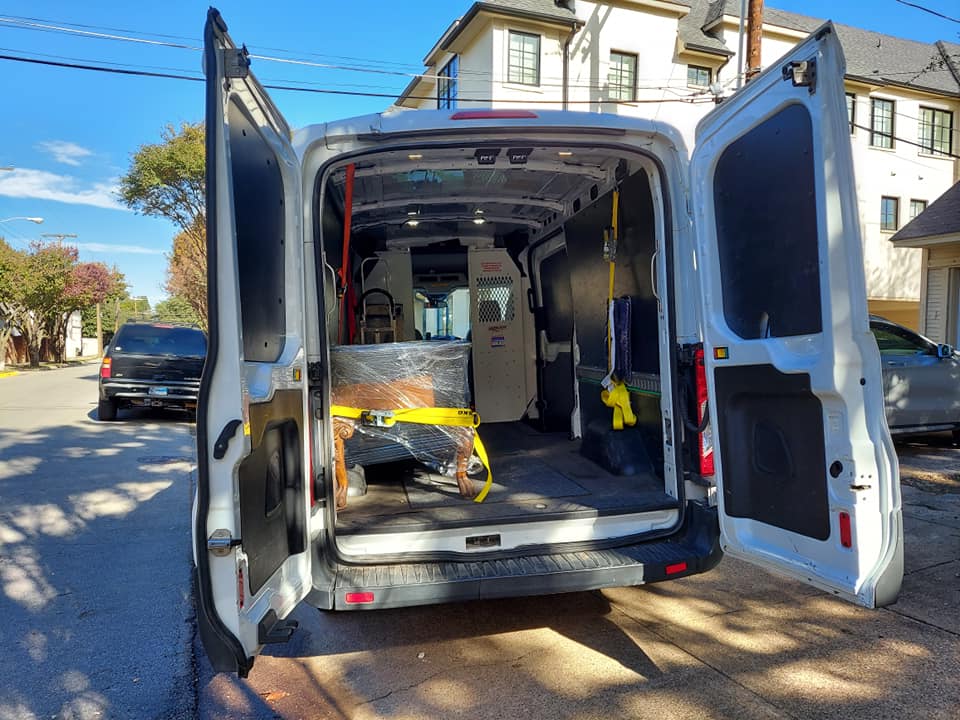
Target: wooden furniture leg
342, 430
464, 438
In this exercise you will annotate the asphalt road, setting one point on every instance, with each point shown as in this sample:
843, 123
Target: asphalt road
96, 618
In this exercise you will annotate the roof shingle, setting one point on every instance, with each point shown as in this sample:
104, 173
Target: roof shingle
941, 218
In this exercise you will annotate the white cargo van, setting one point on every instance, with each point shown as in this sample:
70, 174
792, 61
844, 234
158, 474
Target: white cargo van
669, 356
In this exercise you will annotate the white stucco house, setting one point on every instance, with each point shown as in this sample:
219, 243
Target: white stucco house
673, 59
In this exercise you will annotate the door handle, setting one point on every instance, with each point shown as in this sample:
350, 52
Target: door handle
223, 439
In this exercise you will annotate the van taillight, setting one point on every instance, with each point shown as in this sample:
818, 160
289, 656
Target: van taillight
105, 368
493, 115
705, 439
358, 598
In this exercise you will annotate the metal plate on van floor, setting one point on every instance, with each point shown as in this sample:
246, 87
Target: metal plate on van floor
516, 478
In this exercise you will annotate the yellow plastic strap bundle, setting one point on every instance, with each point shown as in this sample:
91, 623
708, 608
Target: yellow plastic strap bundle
614, 394
453, 417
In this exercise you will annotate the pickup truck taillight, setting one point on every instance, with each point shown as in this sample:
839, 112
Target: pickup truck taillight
105, 368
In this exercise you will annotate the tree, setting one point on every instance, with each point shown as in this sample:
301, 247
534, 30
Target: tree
168, 180
46, 271
10, 271
187, 275
175, 309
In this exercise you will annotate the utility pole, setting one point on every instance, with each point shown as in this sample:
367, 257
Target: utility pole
754, 36
59, 236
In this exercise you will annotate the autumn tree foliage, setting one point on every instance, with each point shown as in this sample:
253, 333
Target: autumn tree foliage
41, 286
168, 180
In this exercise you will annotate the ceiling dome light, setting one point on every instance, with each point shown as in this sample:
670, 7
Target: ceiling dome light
478, 221
412, 223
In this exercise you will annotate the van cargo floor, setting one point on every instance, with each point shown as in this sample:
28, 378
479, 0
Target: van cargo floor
535, 476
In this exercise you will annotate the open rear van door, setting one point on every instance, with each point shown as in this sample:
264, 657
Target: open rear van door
806, 472
251, 542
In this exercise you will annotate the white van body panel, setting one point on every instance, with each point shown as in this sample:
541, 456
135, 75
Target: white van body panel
842, 361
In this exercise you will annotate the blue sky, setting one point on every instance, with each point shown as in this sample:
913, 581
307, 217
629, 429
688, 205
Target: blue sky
70, 133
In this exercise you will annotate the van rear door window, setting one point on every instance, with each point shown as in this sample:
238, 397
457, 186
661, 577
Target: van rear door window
767, 229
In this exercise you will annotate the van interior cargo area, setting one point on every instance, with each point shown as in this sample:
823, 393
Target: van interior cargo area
541, 263
536, 476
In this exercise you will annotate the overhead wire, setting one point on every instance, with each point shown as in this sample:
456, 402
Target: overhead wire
322, 91
62, 27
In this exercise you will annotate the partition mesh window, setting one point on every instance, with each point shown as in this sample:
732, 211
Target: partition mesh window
523, 58
447, 84
495, 299
622, 76
881, 123
936, 131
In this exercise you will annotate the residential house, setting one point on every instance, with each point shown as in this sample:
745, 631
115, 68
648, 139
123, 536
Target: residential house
936, 231
671, 60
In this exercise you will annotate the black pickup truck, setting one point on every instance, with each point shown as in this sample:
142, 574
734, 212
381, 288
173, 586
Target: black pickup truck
151, 365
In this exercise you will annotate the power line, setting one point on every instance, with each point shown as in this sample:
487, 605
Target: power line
329, 91
928, 10
48, 26
907, 142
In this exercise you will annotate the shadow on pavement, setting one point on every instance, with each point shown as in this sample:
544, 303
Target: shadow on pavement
94, 570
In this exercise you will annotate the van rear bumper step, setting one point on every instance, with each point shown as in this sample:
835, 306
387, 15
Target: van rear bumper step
695, 548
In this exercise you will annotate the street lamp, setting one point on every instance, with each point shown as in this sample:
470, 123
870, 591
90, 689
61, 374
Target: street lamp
37, 220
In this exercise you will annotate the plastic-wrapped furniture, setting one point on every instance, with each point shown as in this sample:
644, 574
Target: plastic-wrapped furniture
378, 379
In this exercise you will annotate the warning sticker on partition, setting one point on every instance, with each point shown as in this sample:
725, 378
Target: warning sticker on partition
498, 341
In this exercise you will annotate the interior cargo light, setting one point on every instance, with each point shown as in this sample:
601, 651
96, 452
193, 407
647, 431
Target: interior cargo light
564, 153
414, 156
412, 223
106, 368
358, 598
493, 115
478, 221
846, 535
676, 568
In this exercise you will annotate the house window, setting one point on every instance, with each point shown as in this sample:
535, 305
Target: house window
622, 76
698, 77
523, 59
936, 131
917, 207
881, 123
447, 84
889, 213
852, 111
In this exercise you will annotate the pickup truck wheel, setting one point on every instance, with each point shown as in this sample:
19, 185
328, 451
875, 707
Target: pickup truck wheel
106, 410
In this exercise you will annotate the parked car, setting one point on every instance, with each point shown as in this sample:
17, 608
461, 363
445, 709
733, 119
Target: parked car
151, 365
921, 380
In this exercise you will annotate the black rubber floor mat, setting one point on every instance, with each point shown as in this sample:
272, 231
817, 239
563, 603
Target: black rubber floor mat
515, 479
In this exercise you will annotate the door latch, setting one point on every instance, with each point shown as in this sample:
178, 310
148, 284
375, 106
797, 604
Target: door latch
802, 74
236, 62
221, 542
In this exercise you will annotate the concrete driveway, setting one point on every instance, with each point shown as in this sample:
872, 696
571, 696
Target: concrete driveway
733, 643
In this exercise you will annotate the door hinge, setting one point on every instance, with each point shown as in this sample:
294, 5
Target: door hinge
802, 74
236, 62
221, 542
315, 371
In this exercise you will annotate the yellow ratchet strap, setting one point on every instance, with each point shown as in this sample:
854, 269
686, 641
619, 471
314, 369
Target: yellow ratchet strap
453, 417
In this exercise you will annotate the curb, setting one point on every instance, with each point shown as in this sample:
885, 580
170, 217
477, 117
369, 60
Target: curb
9, 373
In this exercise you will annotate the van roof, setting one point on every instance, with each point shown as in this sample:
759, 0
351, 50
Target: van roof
398, 121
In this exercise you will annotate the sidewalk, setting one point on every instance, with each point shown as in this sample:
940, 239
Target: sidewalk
17, 369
